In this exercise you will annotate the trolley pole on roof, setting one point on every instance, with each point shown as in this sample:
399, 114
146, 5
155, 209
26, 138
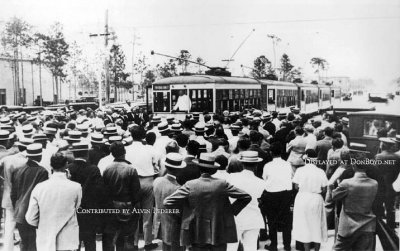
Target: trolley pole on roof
240, 46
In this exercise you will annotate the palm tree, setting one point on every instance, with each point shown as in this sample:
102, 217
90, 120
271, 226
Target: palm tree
320, 63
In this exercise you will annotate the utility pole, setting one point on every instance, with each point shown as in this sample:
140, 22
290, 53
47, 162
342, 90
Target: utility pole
33, 86
40, 79
105, 34
133, 62
275, 41
106, 62
22, 92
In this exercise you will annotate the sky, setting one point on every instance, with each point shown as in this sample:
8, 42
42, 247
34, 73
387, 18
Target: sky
358, 38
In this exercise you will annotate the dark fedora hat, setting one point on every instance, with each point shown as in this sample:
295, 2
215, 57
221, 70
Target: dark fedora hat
206, 160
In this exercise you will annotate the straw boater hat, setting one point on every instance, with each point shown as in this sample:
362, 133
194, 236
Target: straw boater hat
111, 131
34, 149
235, 127
358, 146
73, 136
97, 138
156, 119
206, 160
345, 120
7, 127
31, 119
250, 157
387, 141
39, 137
163, 126
27, 129
282, 115
170, 118
5, 135
176, 128
174, 160
113, 139
24, 142
79, 147
83, 128
199, 127
50, 130
6, 121
266, 116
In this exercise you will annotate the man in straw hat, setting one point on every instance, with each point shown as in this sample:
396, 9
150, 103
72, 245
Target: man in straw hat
10, 164
208, 218
23, 182
52, 209
122, 182
97, 152
246, 180
92, 193
164, 139
357, 222
199, 130
164, 187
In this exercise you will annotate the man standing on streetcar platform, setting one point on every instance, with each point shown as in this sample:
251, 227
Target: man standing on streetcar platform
183, 104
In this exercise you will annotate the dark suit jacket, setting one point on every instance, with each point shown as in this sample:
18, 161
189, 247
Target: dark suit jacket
208, 217
190, 172
24, 181
95, 155
323, 146
93, 194
170, 223
270, 127
358, 195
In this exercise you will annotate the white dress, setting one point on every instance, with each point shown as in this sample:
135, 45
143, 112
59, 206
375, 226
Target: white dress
309, 217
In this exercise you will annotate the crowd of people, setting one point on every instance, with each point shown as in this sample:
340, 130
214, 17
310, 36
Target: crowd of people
206, 182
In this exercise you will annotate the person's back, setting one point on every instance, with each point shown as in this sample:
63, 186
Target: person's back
121, 181
357, 222
57, 200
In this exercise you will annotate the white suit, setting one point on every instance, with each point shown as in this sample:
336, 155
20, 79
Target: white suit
52, 209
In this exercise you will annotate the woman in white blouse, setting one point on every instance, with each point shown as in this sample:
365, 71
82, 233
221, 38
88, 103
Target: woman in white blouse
309, 217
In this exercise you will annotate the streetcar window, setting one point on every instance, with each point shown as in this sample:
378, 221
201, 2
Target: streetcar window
161, 101
271, 96
373, 126
332, 93
202, 100
302, 95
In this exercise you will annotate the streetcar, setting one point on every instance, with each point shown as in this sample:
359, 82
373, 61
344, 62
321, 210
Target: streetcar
215, 94
212, 94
